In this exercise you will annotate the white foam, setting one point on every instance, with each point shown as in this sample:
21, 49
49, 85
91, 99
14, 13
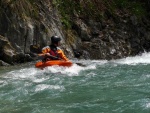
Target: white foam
148, 105
41, 87
32, 73
70, 71
143, 58
22, 73
75, 69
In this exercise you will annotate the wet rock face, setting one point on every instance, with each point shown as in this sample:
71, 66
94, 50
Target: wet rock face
8, 54
7, 51
2, 63
27, 35
114, 38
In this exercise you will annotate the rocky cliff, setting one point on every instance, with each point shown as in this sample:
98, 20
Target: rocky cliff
93, 29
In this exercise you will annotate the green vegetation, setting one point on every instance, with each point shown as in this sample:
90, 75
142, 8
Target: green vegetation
135, 7
138, 9
69, 9
95, 9
23, 8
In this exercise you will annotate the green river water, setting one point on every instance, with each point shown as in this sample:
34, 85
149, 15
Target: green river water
118, 86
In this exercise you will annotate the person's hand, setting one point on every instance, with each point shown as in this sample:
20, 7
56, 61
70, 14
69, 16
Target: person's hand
47, 54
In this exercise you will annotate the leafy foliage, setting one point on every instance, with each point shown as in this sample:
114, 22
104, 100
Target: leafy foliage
95, 8
23, 8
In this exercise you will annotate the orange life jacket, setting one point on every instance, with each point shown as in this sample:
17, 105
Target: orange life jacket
56, 53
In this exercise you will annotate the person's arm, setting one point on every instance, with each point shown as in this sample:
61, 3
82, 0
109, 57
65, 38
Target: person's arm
45, 50
62, 55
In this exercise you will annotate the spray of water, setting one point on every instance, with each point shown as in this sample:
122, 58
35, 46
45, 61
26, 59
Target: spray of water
139, 59
31, 72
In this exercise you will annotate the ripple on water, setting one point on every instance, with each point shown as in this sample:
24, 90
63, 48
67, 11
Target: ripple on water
42, 87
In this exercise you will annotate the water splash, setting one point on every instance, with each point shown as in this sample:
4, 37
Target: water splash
139, 59
69, 71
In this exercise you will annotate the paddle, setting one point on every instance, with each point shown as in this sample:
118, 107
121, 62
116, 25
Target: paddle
80, 64
42, 55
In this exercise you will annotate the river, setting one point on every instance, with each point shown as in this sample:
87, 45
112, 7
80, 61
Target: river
101, 86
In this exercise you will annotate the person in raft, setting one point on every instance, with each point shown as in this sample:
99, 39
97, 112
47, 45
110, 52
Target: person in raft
53, 52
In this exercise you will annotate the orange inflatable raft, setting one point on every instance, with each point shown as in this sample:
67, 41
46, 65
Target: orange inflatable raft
41, 64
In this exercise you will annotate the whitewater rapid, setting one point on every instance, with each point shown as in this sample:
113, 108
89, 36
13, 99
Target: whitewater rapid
29, 71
